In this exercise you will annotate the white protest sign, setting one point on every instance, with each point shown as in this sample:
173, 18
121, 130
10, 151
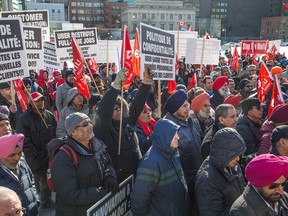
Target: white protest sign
86, 39
118, 204
50, 57
157, 51
34, 47
207, 53
13, 59
36, 18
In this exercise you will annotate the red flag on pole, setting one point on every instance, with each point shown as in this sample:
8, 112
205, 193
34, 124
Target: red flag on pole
190, 28
193, 81
79, 61
264, 82
171, 84
276, 97
286, 6
23, 100
136, 56
235, 62
207, 36
126, 59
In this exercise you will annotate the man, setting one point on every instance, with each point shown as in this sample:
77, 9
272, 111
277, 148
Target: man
245, 88
190, 140
202, 113
279, 141
225, 71
225, 116
16, 174
75, 103
160, 187
220, 181
264, 193
78, 188
284, 78
103, 70
231, 86
38, 126
5, 127
10, 203
252, 69
253, 81
208, 83
221, 91
62, 91
249, 124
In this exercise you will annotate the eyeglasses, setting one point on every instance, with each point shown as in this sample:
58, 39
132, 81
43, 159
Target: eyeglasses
84, 124
59, 75
248, 86
277, 185
146, 111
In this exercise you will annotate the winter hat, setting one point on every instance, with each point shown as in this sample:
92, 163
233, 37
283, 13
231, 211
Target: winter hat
4, 110
27, 81
282, 62
175, 101
249, 103
243, 83
276, 70
5, 85
94, 99
198, 101
219, 82
36, 96
3, 117
68, 72
73, 120
9, 142
265, 169
233, 100
279, 114
278, 133
56, 72
285, 74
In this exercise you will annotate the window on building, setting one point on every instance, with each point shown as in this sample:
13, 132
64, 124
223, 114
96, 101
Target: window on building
143, 16
162, 16
73, 11
73, 3
134, 16
180, 16
170, 26
53, 10
153, 24
189, 16
162, 26
152, 16
171, 16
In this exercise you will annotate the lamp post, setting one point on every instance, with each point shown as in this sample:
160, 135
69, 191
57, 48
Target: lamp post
224, 30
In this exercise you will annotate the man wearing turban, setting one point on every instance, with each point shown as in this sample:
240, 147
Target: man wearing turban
264, 194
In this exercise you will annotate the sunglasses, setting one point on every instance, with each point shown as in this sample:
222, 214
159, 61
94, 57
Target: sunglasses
277, 185
258, 108
84, 124
59, 75
146, 111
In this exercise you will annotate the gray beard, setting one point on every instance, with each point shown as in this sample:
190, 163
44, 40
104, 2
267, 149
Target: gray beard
225, 93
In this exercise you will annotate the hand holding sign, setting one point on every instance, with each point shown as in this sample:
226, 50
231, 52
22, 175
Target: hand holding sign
148, 76
120, 78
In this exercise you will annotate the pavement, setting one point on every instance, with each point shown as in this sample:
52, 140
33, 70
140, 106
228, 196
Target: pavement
48, 212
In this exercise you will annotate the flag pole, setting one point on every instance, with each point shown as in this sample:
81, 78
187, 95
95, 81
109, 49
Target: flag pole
159, 99
202, 56
12, 92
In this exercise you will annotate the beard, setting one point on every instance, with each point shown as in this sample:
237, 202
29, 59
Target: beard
224, 93
204, 114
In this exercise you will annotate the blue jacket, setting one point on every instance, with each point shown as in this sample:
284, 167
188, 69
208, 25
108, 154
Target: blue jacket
160, 186
23, 185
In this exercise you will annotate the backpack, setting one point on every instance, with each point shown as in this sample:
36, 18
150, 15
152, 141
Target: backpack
53, 147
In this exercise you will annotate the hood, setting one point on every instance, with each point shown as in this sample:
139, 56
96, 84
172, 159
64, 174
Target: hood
163, 133
71, 94
226, 144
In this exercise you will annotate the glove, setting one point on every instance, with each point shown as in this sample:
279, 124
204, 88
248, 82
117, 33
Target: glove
111, 184
148, 76
120, 77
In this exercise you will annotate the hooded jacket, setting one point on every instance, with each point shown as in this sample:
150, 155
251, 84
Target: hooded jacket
67, 110
160, 186
266, 134
61, 95
217, 187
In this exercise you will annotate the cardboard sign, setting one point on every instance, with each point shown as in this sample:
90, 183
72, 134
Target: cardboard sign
119, 204
253, 47
13, 59
50, 57
157, 51
34, 47
36, 18
86, 39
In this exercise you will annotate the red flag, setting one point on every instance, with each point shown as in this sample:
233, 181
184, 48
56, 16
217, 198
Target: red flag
171, 84
264, 82
136, 56
92, 64
182, 23
207, 36
235, 62
211, 68
190, 28
126, 59
276, 97
254, 59
23, 100
286, 6
79, 61
273, 53
193, 81
247, 56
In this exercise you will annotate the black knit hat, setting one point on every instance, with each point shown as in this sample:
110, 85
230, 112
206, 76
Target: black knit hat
4, 85
175, 101
69, 72
3, 117
95, 98
249, 103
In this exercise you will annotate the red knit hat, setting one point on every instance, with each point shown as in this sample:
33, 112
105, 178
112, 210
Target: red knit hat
198, 101
56, 72
279, 114
233, 100
265, 169
219, 82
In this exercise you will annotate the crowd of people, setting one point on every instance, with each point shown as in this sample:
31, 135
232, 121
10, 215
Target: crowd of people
213, 150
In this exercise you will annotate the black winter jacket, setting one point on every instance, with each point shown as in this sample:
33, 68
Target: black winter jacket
216, 100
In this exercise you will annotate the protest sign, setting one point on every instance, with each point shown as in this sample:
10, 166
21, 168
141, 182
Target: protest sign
199, 53
253, 47
13, 59
36, 18
157, 51
86, 39
34, 47
115, 205
50, 57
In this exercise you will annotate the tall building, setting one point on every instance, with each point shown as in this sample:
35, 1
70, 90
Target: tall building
9, 5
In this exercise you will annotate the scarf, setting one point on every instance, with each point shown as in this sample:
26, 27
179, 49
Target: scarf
147, 129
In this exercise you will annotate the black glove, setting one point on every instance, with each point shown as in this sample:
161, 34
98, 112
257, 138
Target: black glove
111, 184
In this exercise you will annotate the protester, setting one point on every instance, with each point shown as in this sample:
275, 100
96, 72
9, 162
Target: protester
208, 85
231, 86
10, 203
221, 91
38, 126
279, 139
78, 188
264, 193
44, 82
57, 82
155, 192
245, 88
220, 181
16, 174
235, 101
5, 127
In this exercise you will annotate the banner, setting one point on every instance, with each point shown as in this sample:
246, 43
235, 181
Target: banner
157, 52
34, 47
118, 204
13, 58
36, 18
253, 47
86, 39
50, 57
